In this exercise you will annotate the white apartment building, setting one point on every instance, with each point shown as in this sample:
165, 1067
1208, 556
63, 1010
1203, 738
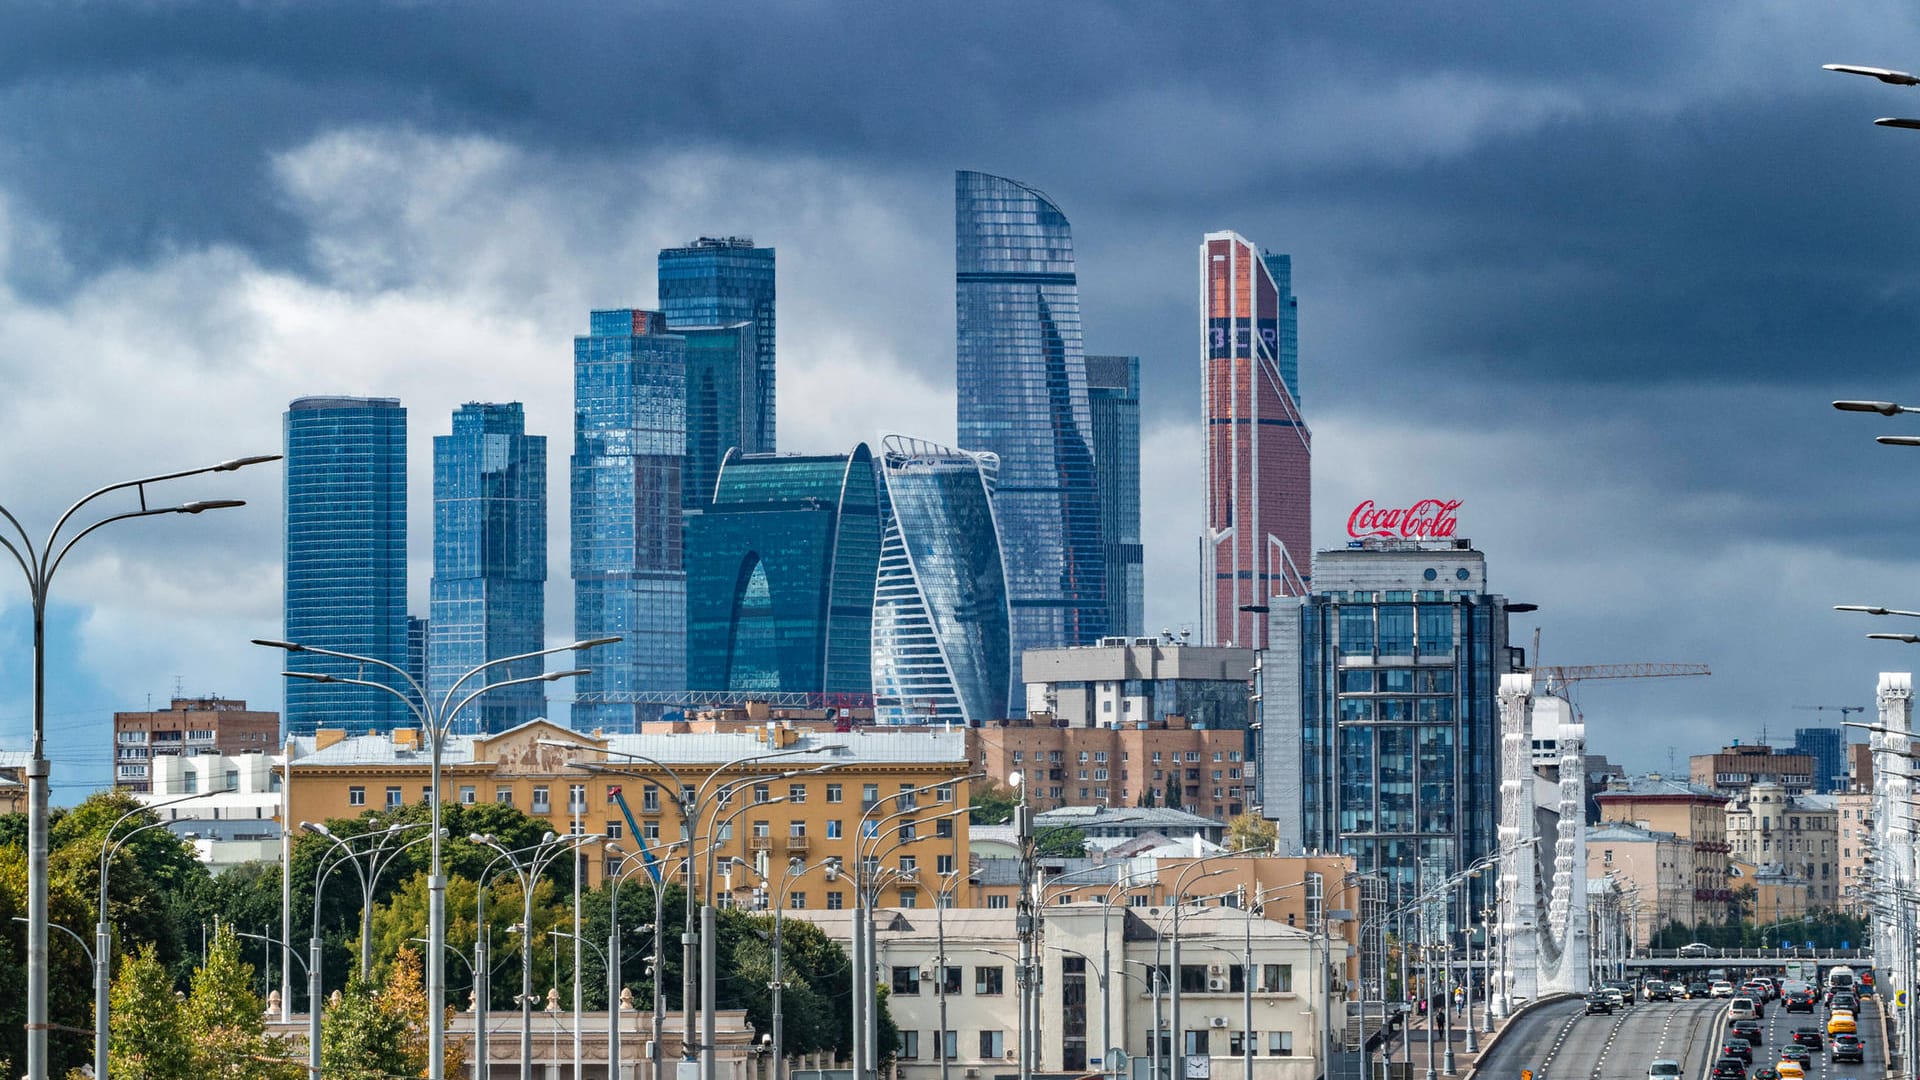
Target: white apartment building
227, 806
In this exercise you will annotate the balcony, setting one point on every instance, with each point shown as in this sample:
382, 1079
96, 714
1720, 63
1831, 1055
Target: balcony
760, 843
796, 843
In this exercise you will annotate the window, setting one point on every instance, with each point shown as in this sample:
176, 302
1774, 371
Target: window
869, 796
909, 1044
909, 898
996, 902
576, 798
393, 796
576, 827
951, 1047
993, 1044
797, 829
908, 865
650, 800
1276, 978
615, 830
989, 981
943, 864
541, 805
1236, 1044
906, 981
503, 796
797, 901
762, 828
650, 830
1017, 756
943, 793
468, 795
907, 799
833, 830
834, 793
1280, 1043
762, 793
796, 793
908, 831
950, 980
426, 795
725, 833
943, 828
356, 796
836, 901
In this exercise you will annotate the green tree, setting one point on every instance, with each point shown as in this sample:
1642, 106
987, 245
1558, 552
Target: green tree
1061, 841
224, 1022
148, 1039
1247, 832
405, 996
992, 804
1173, 799
363, 1039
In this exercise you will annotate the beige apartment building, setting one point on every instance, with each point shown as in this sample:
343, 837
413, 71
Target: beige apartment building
1120, 766
1654, 868
1736, 768
1788, 838
1696, 815
207, 725
1854, 811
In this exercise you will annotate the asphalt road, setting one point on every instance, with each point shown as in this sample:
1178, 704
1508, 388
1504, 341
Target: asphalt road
1560, 1042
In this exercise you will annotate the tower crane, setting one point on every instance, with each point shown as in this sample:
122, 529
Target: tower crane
1554, 678
1843, 710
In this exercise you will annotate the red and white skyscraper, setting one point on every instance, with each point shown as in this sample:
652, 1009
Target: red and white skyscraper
1259, 451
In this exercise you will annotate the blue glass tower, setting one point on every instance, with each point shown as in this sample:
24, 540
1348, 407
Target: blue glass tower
1113, 398
941, 646
629, 444
1828, 748
489, 562
723, 381
780, 575
716, 281
1022, 384
346, 561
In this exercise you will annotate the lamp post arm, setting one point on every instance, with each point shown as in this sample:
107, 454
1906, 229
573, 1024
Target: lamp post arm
52, 563
69, 932
315, 676
33, 579
462, 680
446, 717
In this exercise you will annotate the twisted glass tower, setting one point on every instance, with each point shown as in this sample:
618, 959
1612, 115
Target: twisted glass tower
346, 569
717, 281
941, 650
1022, 383
489, 561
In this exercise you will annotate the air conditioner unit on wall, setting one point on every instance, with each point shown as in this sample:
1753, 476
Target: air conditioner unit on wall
971, 1073
1217, 1021
1215, 969
1216, 984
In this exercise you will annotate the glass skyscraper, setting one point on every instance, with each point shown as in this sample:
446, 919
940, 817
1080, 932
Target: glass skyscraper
1022, 384
716, 281
629, 446
941, 651
723, 379
489, 562
780, 576
1828, 748
1113, 398
346, 559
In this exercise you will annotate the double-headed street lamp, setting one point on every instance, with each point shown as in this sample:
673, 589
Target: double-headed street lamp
540, 856
436, 721
39, 563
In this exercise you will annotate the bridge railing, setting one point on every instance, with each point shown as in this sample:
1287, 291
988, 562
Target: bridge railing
1781, 955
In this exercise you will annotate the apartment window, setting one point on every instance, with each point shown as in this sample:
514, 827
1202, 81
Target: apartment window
1017, 755
906, 981
943, 793
393, 797
614, 830
503, 796
576, 827
909, 1044
869, 796
468, 795
1276, 978
993, 1044
1156, 757
951, 1047
576, 798
541, 805
426, 795
1236, 1043
1053, 757
1280, 1043
1083, 757
1216, 774
943, 828
1193, 755
950, 980
943, 864
796, 828
908, 865
909, 898
650, 800
610, 867
762, 793
908, 832
797, 901
651, 830
762, 828
989, 981
834, 793
907, 800
1082, 776
996, 902
796, 793
356, 796
833, 830
836, 901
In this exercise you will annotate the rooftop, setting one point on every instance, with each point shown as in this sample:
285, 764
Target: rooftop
1620, 832
1657, 787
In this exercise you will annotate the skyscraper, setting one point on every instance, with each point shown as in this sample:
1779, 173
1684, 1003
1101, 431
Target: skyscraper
489, 562
723, 379
629, 443
780, 575
1113, 398
1828, 748
940, 628
1259, 452
417, 649
715, 281
1022, 384
346, 560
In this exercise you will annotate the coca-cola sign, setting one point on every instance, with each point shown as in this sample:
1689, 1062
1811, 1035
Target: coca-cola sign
1428, 519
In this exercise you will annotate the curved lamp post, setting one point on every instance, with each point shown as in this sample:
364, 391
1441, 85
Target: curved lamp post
39, 563
435, 720
549, 848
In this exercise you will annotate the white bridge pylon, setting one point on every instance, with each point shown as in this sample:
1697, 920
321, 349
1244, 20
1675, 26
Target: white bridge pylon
1546, 936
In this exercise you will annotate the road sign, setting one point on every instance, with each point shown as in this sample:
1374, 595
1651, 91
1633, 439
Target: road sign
1900, 999
1809, 944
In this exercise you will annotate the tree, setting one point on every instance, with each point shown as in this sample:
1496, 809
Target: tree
405, 996
1061, 841
223, 1020
992, 804
1173, 797
362, 1039
1247, 832
148, 1039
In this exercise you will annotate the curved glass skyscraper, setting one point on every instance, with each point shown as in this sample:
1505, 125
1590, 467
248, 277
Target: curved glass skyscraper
1022, 384
941, 649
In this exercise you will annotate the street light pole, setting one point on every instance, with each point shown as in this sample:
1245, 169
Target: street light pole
39, 564
542, 855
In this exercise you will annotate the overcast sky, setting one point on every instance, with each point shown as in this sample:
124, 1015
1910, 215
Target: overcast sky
1595, 270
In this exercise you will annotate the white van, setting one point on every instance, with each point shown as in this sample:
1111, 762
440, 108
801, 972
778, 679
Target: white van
1742, 1008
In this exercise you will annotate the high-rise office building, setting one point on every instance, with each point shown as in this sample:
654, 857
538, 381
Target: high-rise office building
629, 447
716, 281
1022, 383
1113, 399
346, 559
489, 562
417, 649
1259, 452
940, 627
1378, 704
780, 576
1828, 748
723, 379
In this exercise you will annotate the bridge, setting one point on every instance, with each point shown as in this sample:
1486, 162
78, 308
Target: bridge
1747, 958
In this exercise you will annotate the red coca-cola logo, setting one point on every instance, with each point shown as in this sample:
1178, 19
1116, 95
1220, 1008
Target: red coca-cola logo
1428, 519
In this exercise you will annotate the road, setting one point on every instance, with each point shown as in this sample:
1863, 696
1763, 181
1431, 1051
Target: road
1560, 1042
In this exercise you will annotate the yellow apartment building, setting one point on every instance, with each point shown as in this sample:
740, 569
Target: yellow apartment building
812, 801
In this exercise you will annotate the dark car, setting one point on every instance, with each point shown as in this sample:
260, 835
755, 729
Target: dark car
1699, 990
1729, 1068
1599, 1003
1767, 1073
1800, 1001
1751, 1030
1797, 1054
1844, 1001
1660, 991
1737, 1048
1809, 1037
1848, 1048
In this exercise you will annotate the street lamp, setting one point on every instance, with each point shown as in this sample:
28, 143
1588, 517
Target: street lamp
549, 848
436, 721
39, 564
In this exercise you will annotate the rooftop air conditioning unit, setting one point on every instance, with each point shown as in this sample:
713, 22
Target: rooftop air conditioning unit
1217, 1021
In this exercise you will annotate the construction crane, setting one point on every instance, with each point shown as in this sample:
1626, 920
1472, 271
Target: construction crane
1843, 710
1555, 677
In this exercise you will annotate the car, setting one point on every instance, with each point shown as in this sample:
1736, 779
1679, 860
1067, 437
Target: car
1799, 1000
1614, 995
1736, 1047
1698, 948
1699, 990
1663, 1069
1721, 988
1768, 1072
1843, 1001
1791, 1070
1798, 1054
1842, 1023
1729, 1068
1599, 1002
1744, 1008
1773, 988
1809, 1037
1848, 1048
1751, 1030
1658, 991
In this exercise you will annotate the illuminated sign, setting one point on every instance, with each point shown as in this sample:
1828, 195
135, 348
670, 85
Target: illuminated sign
1428, 519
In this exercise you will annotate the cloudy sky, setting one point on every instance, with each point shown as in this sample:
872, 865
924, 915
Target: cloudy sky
1594, 269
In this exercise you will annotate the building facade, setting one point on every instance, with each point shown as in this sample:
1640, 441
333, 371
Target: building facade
1121, 765
1798, 837
1659, 868
1124, 681
1259, 529
816, 816
718, 281
489, 562
1380, 723
722, 401
629, 580
1737, 768
346, 556
187, 727
1827, 746
941, 653
1113, 398
1022, 382
781, 569
1695, 814
237, 818
1854, 813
